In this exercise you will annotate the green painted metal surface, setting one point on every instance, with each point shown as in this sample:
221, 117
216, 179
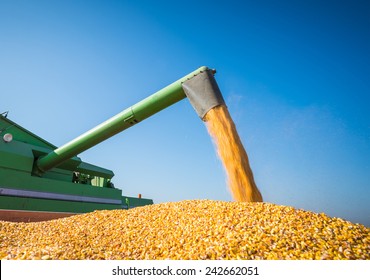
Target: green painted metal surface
22, 134
21, 181
49, 205
16, 163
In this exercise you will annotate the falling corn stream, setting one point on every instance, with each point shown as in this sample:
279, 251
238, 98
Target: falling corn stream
232, 154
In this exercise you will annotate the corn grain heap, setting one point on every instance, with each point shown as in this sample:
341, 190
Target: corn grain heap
232, 154
195, 229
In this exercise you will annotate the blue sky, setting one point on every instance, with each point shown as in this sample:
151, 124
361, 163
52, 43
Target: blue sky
294, 74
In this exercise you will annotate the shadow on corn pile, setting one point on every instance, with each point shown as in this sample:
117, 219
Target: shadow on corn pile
195, 229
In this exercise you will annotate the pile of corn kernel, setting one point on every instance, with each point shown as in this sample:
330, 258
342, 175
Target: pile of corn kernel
194, 229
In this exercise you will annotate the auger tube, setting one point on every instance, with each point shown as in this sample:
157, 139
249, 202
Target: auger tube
199, 86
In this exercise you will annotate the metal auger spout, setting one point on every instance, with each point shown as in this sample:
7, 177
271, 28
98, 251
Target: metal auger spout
199, 86
203, 92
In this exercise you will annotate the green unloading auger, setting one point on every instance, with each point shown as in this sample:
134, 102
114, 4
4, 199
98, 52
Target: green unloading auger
199, 86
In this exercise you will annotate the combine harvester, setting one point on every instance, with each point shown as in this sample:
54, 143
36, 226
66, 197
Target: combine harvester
39, 181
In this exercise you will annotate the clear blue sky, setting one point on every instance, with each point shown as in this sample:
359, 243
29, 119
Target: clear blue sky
295, 76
